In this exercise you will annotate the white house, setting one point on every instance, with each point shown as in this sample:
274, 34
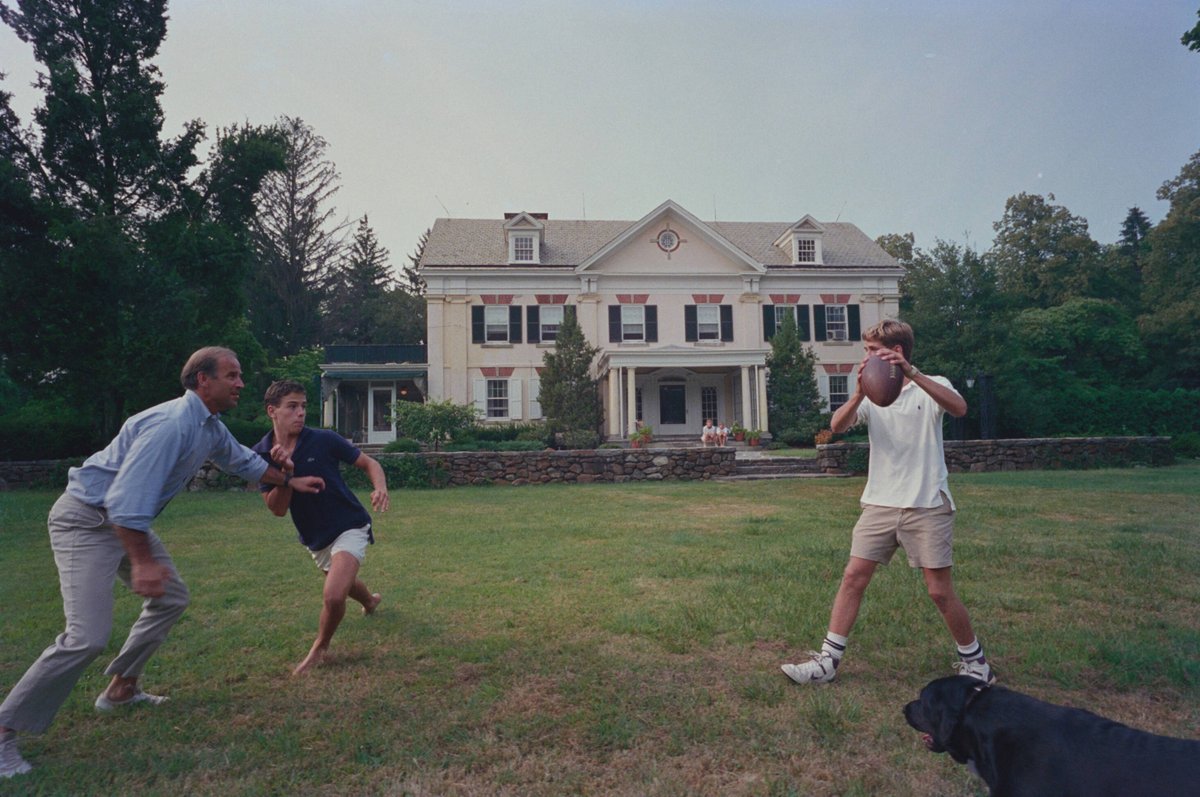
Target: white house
682, 309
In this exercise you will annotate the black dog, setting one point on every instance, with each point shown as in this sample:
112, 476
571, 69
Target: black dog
1026, 748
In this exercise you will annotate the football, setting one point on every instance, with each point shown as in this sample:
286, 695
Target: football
881, 381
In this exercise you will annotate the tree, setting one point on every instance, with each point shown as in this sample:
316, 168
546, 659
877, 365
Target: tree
901, 247
1043, 254
569, 395
1170, 321
410, 279
114, 265
298, 241
793, 398
1191, 39
357, 287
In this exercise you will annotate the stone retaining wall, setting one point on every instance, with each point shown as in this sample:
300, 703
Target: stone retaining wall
475, 467
582, 467
1044, 453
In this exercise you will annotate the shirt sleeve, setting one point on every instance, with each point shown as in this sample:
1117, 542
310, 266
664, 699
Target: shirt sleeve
233, 457
133, 497
343, 450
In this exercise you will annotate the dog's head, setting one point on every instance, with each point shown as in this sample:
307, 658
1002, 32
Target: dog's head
940, 710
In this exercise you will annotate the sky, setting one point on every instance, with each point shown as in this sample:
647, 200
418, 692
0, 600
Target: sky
922, 116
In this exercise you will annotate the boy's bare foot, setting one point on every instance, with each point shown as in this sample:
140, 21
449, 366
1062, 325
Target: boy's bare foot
376, 599
315, 658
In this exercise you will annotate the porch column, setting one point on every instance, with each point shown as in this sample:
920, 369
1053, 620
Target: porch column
762, 398
327, 410
747, 410
631, 400
614, 402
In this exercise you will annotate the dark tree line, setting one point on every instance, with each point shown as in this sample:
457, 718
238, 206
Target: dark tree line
121, 251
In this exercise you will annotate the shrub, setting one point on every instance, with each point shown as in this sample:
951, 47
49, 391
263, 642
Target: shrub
403, 472
823, 437
402, 445
45, 430
858, 459
520, 445
580, 439
1186, 445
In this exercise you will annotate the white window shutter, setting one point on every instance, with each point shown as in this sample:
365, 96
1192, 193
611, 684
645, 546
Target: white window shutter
514, 399
535, 392
479, 387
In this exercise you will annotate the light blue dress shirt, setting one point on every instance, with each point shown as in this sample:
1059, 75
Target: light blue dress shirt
154, 456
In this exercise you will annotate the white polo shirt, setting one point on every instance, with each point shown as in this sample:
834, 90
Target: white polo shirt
907, 466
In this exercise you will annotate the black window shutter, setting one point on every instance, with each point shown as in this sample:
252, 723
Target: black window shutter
854, 322
533, 325
614, 323
690, 332
727, 322
802, 321
652, 323
768, 321
514, 323
477, 335
819, 321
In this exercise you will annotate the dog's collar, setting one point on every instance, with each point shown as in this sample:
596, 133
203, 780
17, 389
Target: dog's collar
976, 691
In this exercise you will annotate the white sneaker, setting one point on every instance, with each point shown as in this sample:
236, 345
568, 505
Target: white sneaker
820, 669
11, 762
979, 670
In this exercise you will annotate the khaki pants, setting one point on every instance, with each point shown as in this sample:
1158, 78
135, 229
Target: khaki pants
89, 557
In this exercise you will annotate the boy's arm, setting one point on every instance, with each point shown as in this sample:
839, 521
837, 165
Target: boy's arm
374, 471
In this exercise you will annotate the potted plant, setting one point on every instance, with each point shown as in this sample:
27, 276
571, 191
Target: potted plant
753, 436
738, 431
641, 437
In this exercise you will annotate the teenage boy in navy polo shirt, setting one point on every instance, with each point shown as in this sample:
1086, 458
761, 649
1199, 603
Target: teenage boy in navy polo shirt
336, 528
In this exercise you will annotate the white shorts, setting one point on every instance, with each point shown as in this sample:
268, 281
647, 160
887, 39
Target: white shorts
352, 541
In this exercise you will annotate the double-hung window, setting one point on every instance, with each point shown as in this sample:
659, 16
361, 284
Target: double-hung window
495, 320
782, 311
633, 322
708, 322
523, 248
806, 250
835, 322
497, 398
551, 318
839, 391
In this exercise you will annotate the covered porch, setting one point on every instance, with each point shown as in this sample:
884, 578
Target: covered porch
360, 383
675, 388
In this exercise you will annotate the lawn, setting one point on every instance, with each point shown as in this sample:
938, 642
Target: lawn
615, 639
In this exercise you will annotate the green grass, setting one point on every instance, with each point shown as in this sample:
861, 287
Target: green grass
619, 640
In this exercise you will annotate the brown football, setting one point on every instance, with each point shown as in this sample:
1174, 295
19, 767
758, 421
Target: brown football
881, 381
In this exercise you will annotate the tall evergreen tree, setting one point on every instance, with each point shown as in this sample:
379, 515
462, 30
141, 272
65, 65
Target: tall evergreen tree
569, 395
359, 285
115, 263
793, 398
410, 279
299, 241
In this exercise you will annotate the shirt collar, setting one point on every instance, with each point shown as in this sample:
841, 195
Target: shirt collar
197, 409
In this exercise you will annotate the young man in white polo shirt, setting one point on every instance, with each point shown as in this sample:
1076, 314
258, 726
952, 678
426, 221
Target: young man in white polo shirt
906, 504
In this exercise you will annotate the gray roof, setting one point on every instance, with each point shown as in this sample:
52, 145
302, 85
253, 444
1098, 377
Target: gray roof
565, 242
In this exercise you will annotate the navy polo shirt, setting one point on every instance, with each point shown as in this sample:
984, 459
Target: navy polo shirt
321, 517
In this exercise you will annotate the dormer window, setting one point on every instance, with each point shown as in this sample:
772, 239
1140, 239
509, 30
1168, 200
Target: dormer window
523, 232
806, 250
522, 249
803, 242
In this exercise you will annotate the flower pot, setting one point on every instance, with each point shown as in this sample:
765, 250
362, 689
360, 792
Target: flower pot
739, 436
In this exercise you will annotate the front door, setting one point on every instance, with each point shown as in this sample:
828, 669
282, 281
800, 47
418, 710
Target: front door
381, 429
672, 405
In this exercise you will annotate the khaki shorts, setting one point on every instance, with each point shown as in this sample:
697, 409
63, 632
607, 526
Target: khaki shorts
925, 534
353, 541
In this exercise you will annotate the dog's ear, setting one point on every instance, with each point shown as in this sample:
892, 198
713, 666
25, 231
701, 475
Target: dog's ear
943, 701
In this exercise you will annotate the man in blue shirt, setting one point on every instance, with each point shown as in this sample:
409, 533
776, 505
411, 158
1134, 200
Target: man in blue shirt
100, 531
332, 524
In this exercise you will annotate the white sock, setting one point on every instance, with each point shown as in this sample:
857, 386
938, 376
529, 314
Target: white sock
834, 645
